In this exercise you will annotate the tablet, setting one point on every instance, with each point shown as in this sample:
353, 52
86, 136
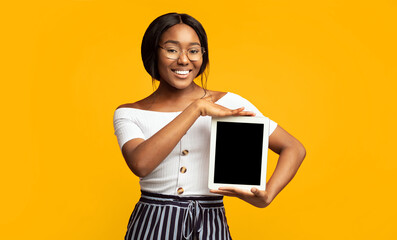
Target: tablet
238, 152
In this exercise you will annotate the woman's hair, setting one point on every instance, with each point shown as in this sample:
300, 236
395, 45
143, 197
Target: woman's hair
151, 39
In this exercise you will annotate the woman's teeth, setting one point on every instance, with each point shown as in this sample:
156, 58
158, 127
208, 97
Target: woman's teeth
181, 72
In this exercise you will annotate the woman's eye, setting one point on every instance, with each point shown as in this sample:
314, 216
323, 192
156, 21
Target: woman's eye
194, 51
170, 50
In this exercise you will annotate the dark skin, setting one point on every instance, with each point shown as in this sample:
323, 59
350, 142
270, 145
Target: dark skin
178, 92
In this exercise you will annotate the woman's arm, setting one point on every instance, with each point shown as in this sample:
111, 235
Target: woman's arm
143, 156
291, 154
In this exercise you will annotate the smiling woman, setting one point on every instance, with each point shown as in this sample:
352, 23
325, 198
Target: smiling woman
164, 139
175, 67
155, 31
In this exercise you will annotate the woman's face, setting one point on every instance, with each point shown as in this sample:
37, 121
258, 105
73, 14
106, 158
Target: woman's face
178, 73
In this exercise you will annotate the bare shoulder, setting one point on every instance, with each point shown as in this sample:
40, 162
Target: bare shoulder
216, 95
128, 105
141, 104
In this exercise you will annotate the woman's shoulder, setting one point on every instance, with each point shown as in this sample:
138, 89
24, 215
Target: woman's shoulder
141, 104
129, 105
131, 111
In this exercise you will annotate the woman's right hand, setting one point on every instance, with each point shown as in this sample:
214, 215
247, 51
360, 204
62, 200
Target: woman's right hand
143, 156
208, 108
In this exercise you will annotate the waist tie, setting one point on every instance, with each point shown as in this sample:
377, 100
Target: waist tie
193, 206
192, 217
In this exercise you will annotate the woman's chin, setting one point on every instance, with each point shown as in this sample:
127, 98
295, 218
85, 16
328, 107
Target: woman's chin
182, 86
182, 83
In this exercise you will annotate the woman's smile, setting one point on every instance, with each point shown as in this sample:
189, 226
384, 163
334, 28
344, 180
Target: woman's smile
181, 73
176, 45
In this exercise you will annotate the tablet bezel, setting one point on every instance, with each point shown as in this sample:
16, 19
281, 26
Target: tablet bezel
239, 119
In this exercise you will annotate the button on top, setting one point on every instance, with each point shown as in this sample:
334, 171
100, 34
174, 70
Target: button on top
180, 190
185, 152
183, 169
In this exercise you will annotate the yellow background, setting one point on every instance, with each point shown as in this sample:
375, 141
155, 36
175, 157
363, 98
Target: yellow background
323, 70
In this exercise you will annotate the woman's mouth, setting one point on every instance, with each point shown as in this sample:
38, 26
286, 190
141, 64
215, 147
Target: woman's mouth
181, 73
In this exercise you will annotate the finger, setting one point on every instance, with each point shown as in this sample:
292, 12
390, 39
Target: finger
227, 194
229, 112
227, 188
247, 113
224, 111
237, 111
238, 191
224, 193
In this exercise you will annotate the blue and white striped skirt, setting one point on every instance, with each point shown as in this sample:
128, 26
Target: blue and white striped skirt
158, 216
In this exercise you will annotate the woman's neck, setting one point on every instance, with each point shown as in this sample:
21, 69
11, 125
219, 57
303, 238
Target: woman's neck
166, 93
172, 100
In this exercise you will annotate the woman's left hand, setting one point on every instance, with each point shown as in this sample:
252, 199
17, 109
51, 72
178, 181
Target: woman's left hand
256, 197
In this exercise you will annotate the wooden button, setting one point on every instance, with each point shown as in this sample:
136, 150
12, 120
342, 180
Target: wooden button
185, 152
183, 170
180, 190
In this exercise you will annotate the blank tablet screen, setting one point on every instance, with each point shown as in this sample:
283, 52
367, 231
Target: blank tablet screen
238, 153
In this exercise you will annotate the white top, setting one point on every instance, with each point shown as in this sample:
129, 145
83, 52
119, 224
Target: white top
168, 176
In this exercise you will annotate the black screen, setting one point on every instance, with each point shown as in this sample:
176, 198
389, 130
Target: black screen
238, 153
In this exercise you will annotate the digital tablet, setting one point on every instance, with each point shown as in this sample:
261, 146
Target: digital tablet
238, 152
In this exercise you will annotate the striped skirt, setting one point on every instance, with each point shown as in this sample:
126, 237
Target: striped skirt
158, 216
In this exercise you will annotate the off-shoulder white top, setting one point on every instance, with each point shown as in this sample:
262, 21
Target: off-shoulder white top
183, 170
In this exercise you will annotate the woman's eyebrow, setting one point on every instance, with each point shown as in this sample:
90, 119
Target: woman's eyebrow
176, 42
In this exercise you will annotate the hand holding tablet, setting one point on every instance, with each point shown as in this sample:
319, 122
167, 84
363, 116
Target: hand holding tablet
238, 153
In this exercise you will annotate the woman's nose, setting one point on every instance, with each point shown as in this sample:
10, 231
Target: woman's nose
183, 59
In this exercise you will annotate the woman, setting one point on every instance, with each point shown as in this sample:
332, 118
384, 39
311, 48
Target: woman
164, 138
